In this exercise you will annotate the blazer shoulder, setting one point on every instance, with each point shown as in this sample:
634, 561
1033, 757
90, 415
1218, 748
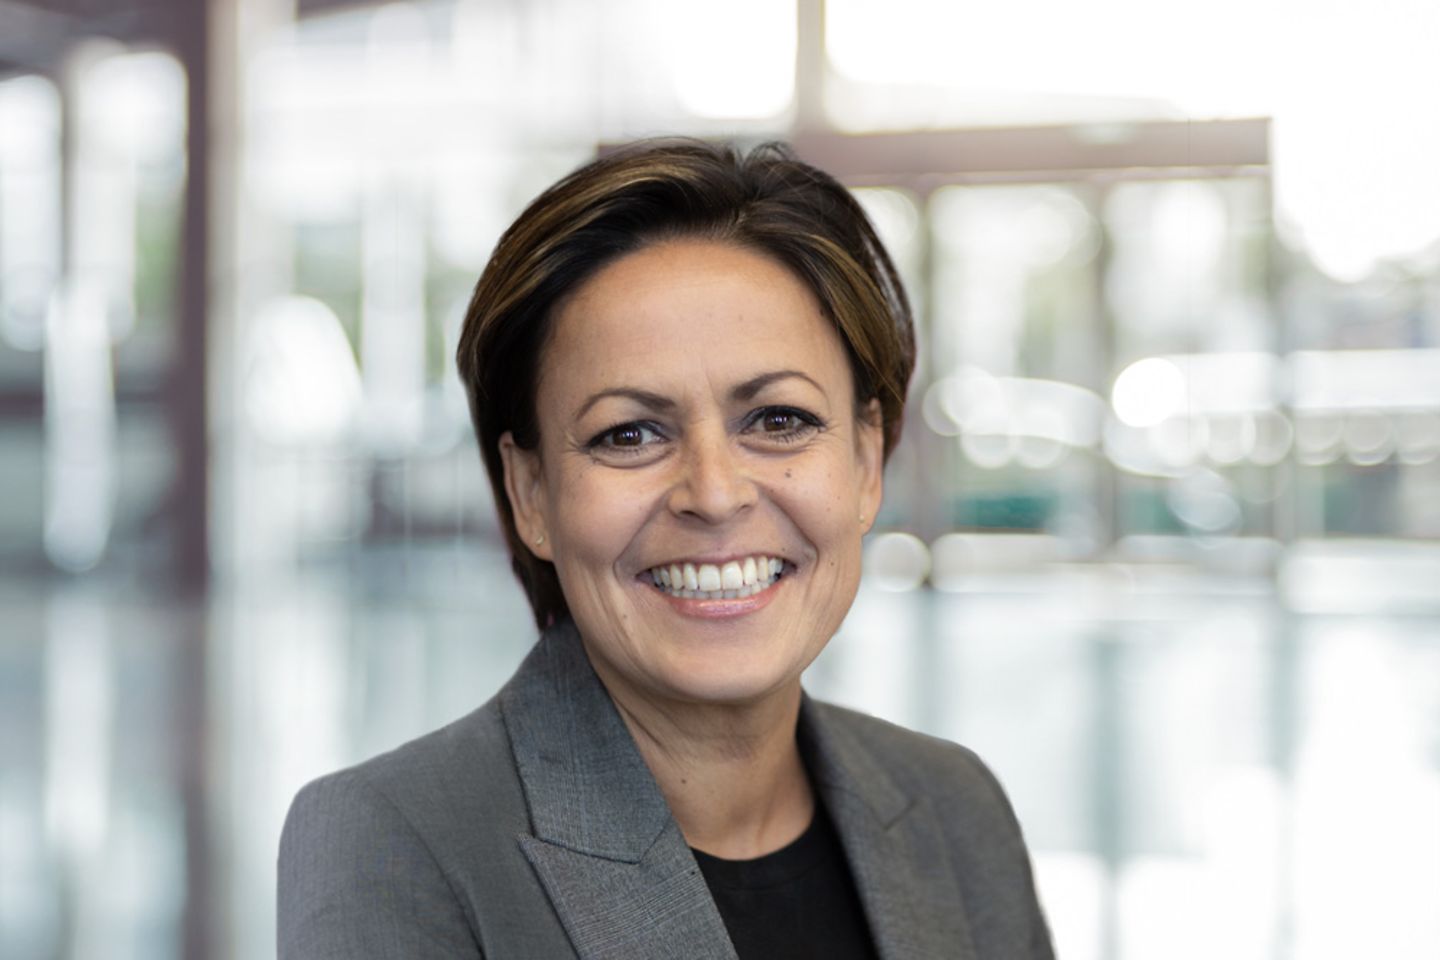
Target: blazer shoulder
919, 763
343, 849
473, 744
949, 776
402, 827
975, 823
436, 780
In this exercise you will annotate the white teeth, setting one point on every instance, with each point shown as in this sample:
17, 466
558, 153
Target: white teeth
731, 576
708, 581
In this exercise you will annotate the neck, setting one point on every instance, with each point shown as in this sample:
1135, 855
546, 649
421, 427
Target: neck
731, 773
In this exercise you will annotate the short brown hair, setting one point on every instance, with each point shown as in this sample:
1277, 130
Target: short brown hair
641, 194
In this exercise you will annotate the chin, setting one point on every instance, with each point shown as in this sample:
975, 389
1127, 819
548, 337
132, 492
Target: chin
736, 678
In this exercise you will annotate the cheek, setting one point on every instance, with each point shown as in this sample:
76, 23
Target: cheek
597, 513
824, 505
835, 484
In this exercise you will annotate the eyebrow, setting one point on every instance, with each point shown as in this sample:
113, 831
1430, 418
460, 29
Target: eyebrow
748, 389
741, 392
643, 397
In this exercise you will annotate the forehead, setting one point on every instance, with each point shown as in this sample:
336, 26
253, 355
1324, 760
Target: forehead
685, 313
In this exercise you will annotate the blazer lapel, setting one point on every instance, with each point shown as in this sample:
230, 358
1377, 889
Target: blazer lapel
894, 845
606, 849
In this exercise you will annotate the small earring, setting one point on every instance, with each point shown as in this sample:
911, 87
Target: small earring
862, 518
539, 539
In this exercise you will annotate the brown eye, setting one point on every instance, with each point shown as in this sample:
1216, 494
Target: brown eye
778, 421
783, 424
631, 436
625, 439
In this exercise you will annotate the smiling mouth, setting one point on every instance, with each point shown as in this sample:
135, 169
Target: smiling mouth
726, 581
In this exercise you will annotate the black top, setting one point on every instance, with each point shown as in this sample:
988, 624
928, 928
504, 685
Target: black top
796, 903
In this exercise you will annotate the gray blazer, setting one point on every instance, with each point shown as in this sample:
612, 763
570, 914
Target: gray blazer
531, 828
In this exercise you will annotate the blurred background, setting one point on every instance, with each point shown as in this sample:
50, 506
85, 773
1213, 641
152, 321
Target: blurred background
1160, 542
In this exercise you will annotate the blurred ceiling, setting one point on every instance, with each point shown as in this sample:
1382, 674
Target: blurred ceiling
35, 34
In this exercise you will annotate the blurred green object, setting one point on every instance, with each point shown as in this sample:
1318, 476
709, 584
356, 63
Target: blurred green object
1004, 511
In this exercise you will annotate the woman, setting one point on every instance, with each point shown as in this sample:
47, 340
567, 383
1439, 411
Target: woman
686, 370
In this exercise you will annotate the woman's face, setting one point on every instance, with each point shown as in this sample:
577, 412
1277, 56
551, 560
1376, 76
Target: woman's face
698, 433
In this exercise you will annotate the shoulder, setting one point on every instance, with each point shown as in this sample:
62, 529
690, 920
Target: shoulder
957, 806
920, 765
429, 786
380, 852
422, 780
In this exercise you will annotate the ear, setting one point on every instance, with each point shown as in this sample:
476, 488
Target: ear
524, 487
870, 457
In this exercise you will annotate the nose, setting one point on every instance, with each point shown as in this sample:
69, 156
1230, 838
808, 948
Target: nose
712, 484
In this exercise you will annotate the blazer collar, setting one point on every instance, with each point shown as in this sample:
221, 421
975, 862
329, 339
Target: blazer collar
844, 769
617, 868
893, 842
611, 858
588, 788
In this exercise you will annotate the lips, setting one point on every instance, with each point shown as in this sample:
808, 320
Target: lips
724, 581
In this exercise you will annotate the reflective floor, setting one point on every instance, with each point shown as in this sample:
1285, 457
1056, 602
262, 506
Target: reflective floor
1205, 767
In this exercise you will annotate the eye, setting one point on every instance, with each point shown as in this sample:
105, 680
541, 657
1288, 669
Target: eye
630, 435
624, 439
782, 424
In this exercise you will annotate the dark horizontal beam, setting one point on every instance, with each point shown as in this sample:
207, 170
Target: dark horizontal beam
317, 8
27, 401
36, 35
1200, 148
32, 38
